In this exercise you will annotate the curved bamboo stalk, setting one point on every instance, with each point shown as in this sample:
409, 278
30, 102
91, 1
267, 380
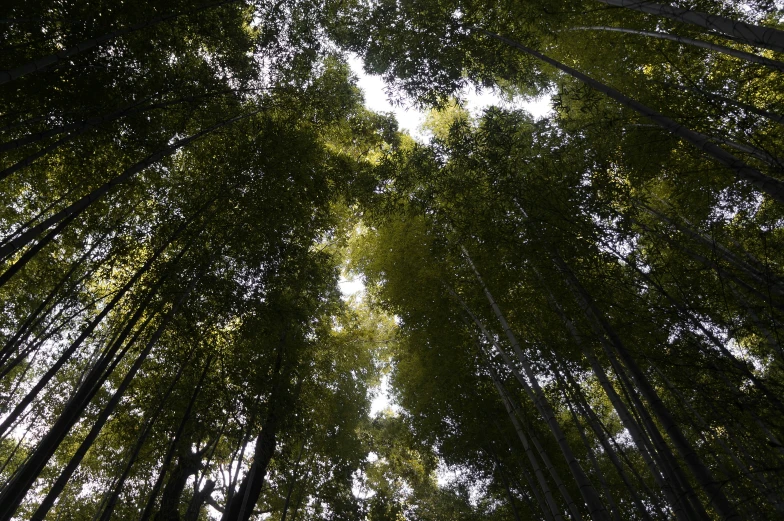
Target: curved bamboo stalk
763, 182
747, 56
755, 35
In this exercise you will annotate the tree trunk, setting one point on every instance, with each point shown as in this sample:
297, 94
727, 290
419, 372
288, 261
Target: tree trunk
109, 408
509, 495
765, 183
747, 56
290, 491
32, 252
669, 463
244, 501
186, 418
587, 444
590, 495
17, 487
83, 127
199, 498
30, 321
574, 510
65, 356
112, 498
752, 34
82, 204
768, 280
551, 503
604, 439
635, 430
715, 495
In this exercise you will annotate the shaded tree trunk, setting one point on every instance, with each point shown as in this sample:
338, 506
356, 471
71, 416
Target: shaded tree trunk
18, 486
590, 495
83, 203
755, 35
765, 183
175, 443
244, 501
747, 56
715, 495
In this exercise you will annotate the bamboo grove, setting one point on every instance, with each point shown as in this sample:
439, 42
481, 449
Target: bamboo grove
580, 316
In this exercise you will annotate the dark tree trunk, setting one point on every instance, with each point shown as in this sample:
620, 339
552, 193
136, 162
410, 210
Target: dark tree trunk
175, 443
244, 500
83, 203
17, 488
765, 183
107, 411
614, 345
755, 35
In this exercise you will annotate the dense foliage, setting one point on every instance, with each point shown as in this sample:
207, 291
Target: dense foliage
579, 317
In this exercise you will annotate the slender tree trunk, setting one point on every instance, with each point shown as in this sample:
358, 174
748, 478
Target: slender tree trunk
32, 252
241, 449
755, 35
83, 203
186, 418
19, 442
107, 505
767, 114
756, 152
188, 464
77, 129
509, 495
65, 356
23, 226
199, 498
574, 510
604, 439
741, 366
533, 488
716, 496
765, 183
632, 426
590, 495
747, 56
551, 503
765, 278
242, 504
292, 483
669, 463
109, 408
49, 331
510, 364
30, 321
770, 338
586, 443
760, 484
548, 516
17, 488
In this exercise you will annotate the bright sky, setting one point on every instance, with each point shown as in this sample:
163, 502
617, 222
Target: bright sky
411, 119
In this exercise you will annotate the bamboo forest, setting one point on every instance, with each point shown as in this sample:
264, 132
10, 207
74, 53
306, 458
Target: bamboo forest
575, 316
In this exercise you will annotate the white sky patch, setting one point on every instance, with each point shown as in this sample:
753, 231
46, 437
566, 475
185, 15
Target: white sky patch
373, 87
382, 401
355, 288
410, 119
351, 287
